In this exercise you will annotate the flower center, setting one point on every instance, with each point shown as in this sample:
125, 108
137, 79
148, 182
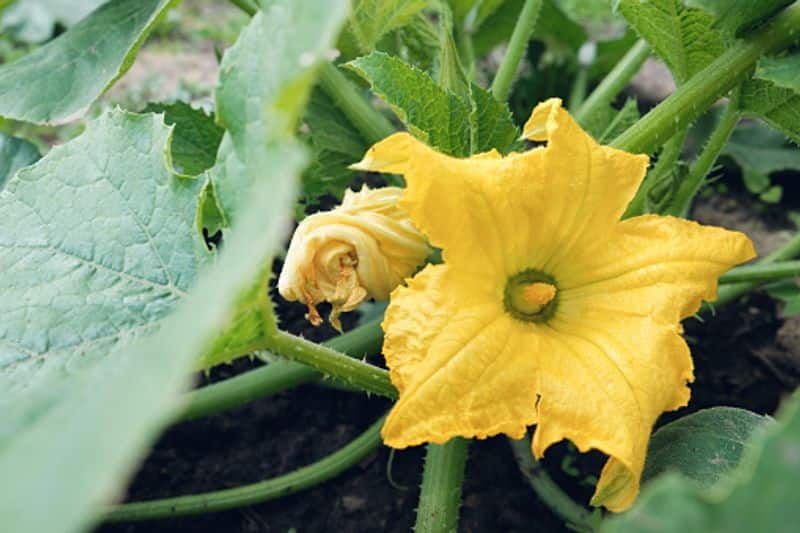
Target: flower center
531, 296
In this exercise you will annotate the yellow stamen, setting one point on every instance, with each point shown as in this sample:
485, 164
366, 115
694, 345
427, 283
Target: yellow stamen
539, 293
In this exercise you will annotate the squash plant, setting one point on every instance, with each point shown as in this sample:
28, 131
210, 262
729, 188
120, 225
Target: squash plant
112, 295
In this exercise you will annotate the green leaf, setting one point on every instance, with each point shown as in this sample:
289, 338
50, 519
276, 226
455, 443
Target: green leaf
336, 145
733, 15
195, 138
264, 80
756, 146
760, 494
15, 153
34, 21
772, 195
109, 228
782, 71
606, 124
703, 446
493, 122
92, 423
755, 182
683, 37
57, 82
372, 19
432, 114
777, 106
788, 292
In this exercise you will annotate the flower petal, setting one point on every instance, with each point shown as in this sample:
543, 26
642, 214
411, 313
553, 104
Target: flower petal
526, 210
605, 380
655, 266
462, 365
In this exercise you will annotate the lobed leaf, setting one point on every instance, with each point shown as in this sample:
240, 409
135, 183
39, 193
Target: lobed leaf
683, 37
433, 114
372, 19
15, 153
56, 83
778, 106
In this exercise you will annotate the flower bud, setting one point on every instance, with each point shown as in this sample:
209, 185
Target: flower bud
362, 249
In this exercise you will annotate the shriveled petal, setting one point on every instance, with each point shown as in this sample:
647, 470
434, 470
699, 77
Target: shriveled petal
526, 210
655, 266
462, 365
605, 379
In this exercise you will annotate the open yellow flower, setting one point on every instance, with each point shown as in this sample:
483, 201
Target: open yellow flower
362, 249
548, 309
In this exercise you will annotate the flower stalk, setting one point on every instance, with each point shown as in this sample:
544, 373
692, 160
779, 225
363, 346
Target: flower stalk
577, 516
615, 81
440, 496
504, 78
260, 492
691, 185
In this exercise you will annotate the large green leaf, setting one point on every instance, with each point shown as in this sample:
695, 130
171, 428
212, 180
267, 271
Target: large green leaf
91, 422
779, 107
33, 21
98, 245
781, 71
195, 138
683, 37
703, 446
15, 153
759, 495
433, 114
57, 82
756, 146
264, 80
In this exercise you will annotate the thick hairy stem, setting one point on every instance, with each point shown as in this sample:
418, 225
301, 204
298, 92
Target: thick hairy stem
440, 496
722, 75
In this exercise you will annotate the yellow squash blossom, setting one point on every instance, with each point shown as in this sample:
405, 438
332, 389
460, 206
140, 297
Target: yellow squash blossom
548, 309
362, 249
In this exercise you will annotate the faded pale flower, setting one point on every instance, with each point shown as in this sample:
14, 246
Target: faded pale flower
548, 309
362, 249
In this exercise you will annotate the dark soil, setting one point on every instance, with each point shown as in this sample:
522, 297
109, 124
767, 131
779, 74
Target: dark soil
745, 356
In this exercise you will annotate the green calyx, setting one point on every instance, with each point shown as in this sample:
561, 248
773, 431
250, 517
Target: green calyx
531, 296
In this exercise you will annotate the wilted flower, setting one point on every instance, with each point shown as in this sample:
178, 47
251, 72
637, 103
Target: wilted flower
548, 309
362, 249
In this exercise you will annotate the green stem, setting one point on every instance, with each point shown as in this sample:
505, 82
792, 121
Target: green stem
733, 291
263, 491
501, 85
691, 185
578, 92
245, 5
722, 75
667, 159
353, 372
760, 273
276, 377
467, 51
615, 81
577, 516
440, 495
367, 120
